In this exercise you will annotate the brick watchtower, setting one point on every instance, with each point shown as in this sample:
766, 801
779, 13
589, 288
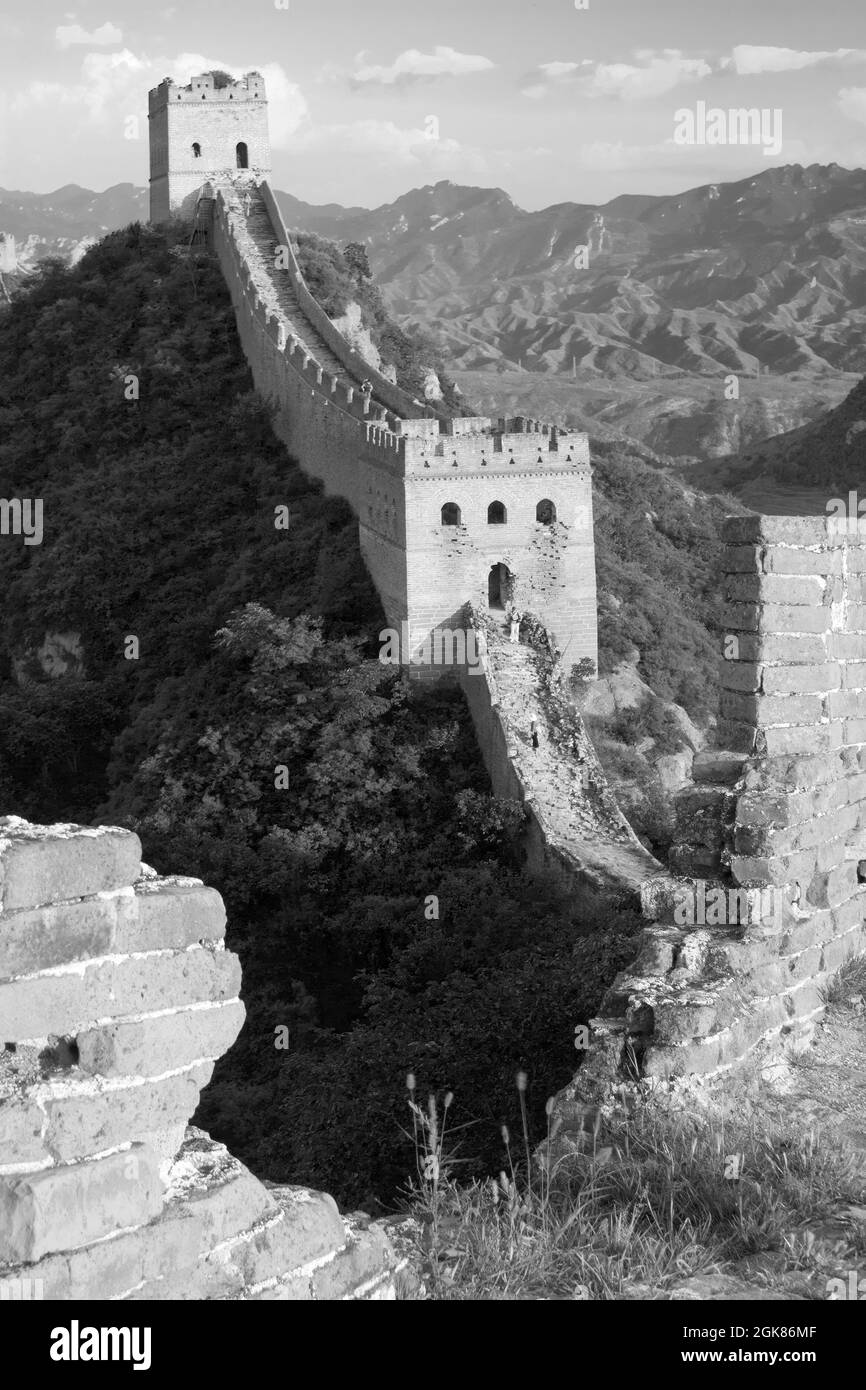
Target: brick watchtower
210, 131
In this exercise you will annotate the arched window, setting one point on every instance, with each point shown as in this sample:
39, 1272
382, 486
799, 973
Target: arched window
196, 150
451, 514
496, 514
243, 157
545, 512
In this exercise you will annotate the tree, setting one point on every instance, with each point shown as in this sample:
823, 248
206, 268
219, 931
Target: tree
357, 260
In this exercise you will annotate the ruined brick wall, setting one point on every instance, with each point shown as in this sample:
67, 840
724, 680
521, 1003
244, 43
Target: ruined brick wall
116, 996
772, 835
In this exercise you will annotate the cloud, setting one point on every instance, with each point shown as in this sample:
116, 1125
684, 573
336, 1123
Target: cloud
659, 73
408, 147
414, 66
652, 75
749, 59
113, 85
852, 102
69, 34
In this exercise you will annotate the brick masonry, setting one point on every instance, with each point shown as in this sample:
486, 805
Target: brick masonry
117, 995
772, 847
392, 457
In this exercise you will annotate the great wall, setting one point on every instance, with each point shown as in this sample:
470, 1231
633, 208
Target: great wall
116, 991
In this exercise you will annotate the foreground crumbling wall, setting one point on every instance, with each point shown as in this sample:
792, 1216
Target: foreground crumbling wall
116, 996
772, 835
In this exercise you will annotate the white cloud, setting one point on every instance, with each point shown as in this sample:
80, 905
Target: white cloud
651, 75
414, 66
659, 73
852, 102
112, 86
749, 59
408, 147
69, 34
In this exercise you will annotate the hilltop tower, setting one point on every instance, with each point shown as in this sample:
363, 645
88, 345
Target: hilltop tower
205, 133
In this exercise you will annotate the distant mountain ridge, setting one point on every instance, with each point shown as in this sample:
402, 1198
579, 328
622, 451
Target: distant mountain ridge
766, 273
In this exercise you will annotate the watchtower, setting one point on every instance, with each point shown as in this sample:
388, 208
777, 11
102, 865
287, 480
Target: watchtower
210, 131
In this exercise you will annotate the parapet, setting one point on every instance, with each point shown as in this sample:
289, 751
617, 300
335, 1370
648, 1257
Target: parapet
766, 897
117, 995
251, 87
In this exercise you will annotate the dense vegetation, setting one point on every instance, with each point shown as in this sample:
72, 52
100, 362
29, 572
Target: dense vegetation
657, 558
374, 886
340, 278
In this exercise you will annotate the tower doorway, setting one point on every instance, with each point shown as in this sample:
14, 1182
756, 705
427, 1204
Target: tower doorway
242, 156
498, 586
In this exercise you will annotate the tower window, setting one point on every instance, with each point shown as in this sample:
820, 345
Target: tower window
242, 156
545, 512
196, 150
451, 514
496, 514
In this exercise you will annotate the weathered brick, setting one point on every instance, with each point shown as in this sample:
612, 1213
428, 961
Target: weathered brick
793, 618
783, 560
21, 1124
740, 675
367, 1258
64, 1207
46, 864
855, 729
45, 937
779, 531
771, 709
794, 649
151, 1046
776, 589
803, 738
854, 675
742, 559
39, 1005
172, 913
740, 617
82, 1122
800, 680
832, 887
844, 646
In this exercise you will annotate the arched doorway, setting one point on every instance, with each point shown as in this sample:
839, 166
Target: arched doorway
242, 155
498, 586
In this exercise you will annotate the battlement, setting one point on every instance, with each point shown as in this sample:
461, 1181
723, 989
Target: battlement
251, 87
431, 450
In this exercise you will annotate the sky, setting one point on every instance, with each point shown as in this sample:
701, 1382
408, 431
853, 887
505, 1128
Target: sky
551, 100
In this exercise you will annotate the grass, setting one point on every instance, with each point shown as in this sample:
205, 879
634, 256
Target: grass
847, 983
652, 1203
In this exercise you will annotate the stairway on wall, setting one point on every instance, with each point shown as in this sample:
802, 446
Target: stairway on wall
258, 241
563, 778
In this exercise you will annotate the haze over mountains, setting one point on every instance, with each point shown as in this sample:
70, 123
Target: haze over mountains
765, 278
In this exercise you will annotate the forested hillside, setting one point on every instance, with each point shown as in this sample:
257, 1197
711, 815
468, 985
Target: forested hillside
374, 886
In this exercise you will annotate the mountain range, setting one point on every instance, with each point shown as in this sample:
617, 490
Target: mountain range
764, 278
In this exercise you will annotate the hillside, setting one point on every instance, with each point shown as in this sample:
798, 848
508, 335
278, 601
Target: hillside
255, 740
765, 271
799, 471
763, 277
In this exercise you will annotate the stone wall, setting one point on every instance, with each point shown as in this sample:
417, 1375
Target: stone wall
397, 478
213, 118
772, 833
116, 997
